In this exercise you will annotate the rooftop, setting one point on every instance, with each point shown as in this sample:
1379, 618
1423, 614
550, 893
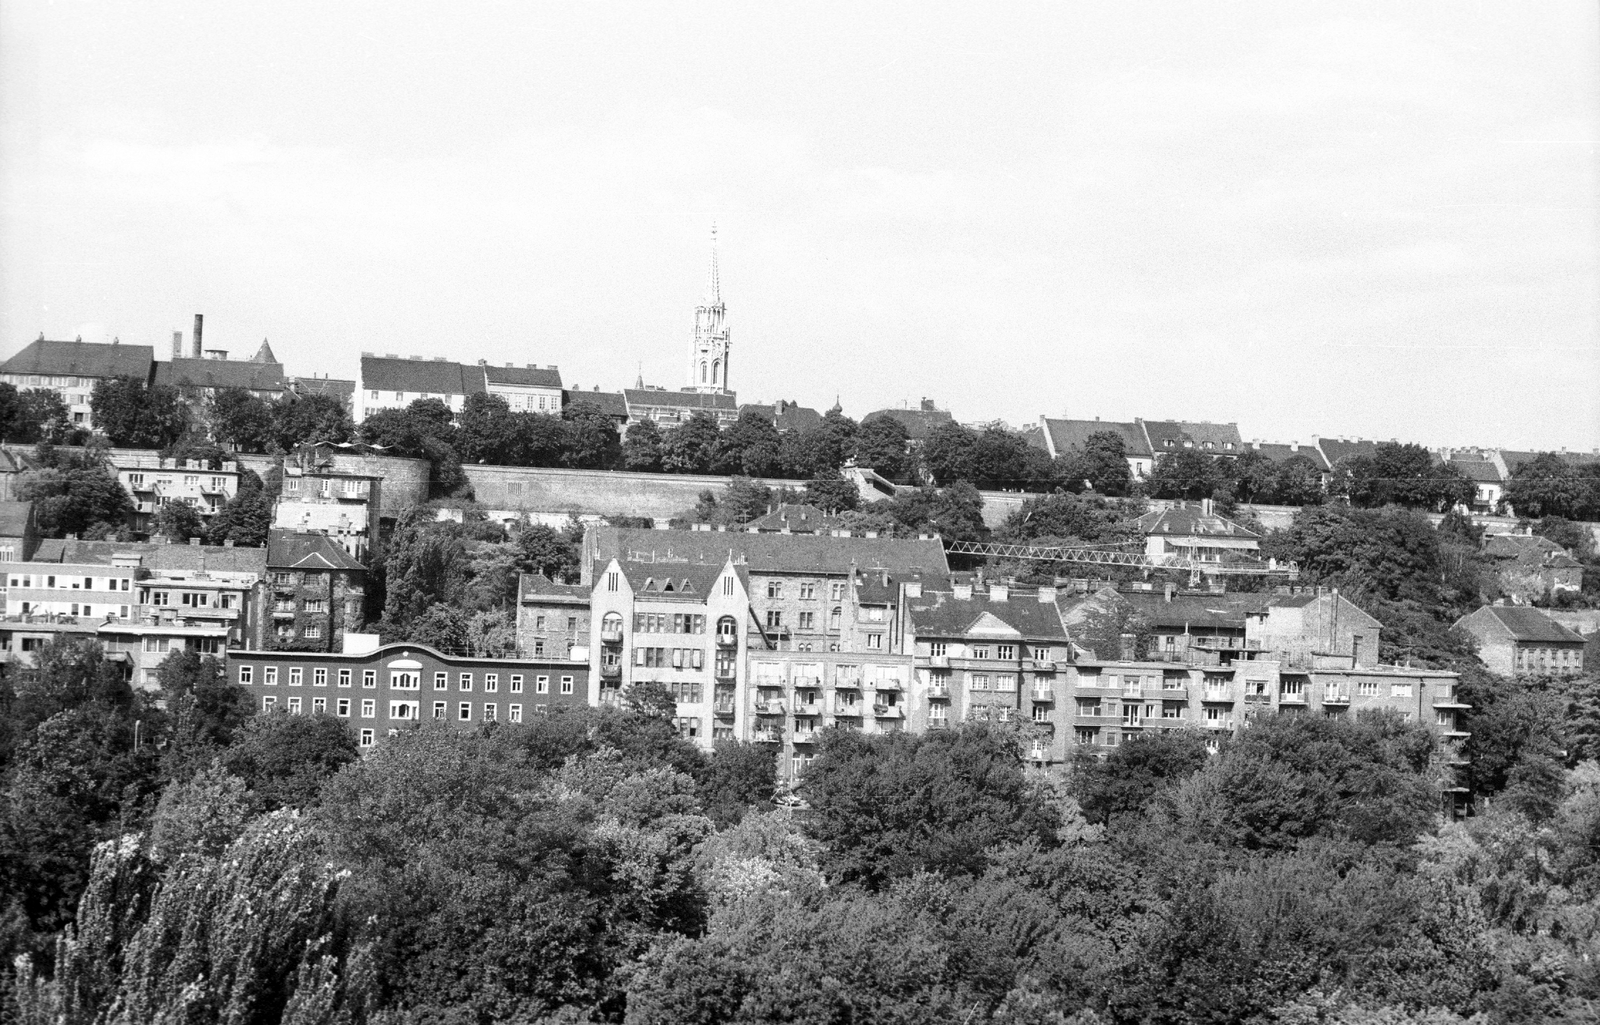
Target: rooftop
304, 551
919, 423
611, 403
1066, 435
1021, 614
161, 558
1526, 624
1283, 453
82, 359
1188, 520
429, 376
681, 399
14, 517
1176, 435
220, 373
1529, 549
522, 377
806, 519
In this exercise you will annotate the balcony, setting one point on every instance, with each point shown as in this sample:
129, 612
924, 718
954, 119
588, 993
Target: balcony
887, 683
939, 661
278, 613
769, 707
804, 736
939, 690
727, 639
725, 671
1217, 724
723, 708
611, 635
1448, 701
848, 711
808, 683
1335, 696
770, 682
888, 711
848, 683
611, 671
1218, 694
1292, 699
1132, 690
807, 708
768, 735
1044, 665
938, 724
1043, 694
1133, 723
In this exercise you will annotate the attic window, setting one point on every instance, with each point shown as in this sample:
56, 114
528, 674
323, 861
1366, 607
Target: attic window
666, 585
686, 586
649, 583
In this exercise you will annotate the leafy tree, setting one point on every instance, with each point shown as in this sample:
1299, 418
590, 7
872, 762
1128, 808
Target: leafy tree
551, 552
692, 446
1576, 538
307, 419
828, 490
1072, 519
246, 519
73, 492
752, 435
888, 805
238, 417
424, 565
1299, 482
34, 415
1547, 485
955, 512
1404, 475
881, 445
1138, 771
1187, 474
592, 439
738, 779
642, 447
134, 415
1102, 462
423, 430
285, 759
179, 521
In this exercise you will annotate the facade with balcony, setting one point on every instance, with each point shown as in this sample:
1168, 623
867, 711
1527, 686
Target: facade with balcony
315, 590
155, 481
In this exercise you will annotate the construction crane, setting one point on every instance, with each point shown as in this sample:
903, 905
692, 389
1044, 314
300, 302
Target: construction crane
1134, 560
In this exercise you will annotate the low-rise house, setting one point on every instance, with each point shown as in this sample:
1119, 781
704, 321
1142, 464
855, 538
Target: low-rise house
317, 591
1064, 437
72, 369
396, 686
1166, 437
1520, 641
1485, 477
552, 619
1197, 533
528, 389
1529, 567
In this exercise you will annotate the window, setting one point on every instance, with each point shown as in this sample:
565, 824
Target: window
541, 684
1368, 688
441, 681
611, 581
344, 677
1006, 652
875, 642
319, 705
343, 708
808, 620
937, 649
572, 624
516, 683
404, 679
808, 590
270, 676
1041, 713
514, 713
491, 682
978, 681
319, 677
369, 708
403, 710
834, 617
440, 709
566, 685
538, 647
836, 591
489, 711
366, 738
1005, 681
268, 703
312, 633
464, 711
774, 589
246, 674
727, 587
980, 651
466, 682
1400, 690
538, 622
317, 605
369, 678
774, 618
160, 644
294, 704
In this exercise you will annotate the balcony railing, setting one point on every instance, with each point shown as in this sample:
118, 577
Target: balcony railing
939, 661
886, 683
848, 682
1218, 694
851, 711
807, 708
804, 736
938, 690
1287, 698
768, 735
1335, 696
938, 724
612, 670
727, 639
888, 711
611, 635
723, 708
769, 707
1043, 694
1217, 724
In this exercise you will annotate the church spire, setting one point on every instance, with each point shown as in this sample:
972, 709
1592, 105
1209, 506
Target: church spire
714, 286
708, 357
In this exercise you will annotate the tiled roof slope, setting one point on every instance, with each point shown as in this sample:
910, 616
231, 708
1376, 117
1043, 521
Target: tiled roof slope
431, 376
1283, 453
167, 558
822, 554
1186, 520
786, 416
534, 585
14, 518
288, 550
1479, 470
666, 579
942, 614
1196, 610
82, 359
1527, 624
220, 373
610, 403
919, 423
1515, 459
525, 377
1336, 449
1066, 435
1203, 436
1528, 549
797, 518
682, 399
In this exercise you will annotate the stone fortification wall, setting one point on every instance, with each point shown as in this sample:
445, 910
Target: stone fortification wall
549, 491
405, 481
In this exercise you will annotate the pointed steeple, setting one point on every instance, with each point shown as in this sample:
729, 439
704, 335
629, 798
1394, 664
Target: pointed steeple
264, 354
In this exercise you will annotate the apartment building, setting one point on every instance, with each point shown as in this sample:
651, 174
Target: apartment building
526, 389
342, 505
1521, 641
552, 619
396, 686
155, 481
392, 382
317, 591
1063, 437
671, 408
72, 369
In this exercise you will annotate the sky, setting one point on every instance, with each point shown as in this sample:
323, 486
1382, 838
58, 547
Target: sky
1335, 219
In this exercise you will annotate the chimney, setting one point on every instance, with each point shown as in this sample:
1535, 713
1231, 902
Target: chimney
1129, 647
1205, 507
199, 325
999, 592
1171, 589
1047, 595
962, 592
913, 589
177, 344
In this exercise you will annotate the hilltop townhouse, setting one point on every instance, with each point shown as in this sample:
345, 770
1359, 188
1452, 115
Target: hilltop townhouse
552, 619
72, 369
1529, 567
1521, 641
394, 686
920, 423
390, 382
1167, 437
319, 498
317, 591
1196, 532
1061, 438
198, 377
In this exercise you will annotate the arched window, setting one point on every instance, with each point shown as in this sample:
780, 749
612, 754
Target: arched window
833, 619
611, 628
702, 372
716, 368
727, 630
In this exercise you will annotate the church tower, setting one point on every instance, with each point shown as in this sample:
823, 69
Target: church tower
708, 360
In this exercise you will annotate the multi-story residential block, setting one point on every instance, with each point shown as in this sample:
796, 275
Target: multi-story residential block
1529, 567
1063, 437
1167, 437
1196, 532
1520, 641
396, 686
390, 382
552, 619
670, 408
995, 652
678, 623
72, 369
317, 591
155, 481
529, 389
317, 498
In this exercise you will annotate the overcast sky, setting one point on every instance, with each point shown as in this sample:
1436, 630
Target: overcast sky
1335, 219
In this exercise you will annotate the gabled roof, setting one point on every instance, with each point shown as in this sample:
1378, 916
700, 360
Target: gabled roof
430, 376
532, 586
1515, 459
1529, 550
919, 423
1335, 449
798, 519
1521, 623
1348, 610
303, 551
821, 554
220, 373
1189, 521
82, 359
941, 614
522, 377
14, 518
1195, 611
1480, 471
611, 403
786, 416
339, 388
165, 558
1177, 435
1066, 435
1283, 453
681, 399
696, 580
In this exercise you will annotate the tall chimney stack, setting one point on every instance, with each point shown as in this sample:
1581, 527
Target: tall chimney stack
177, 344
199, 324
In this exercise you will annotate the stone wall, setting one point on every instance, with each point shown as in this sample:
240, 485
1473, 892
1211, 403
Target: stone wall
551, 492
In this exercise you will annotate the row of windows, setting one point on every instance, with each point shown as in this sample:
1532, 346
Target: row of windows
401, 679
325, 486
405, 711
1003, 652
661, 623
71, 609
189, 481
572, 623
66, 583
661, 658
807, 589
